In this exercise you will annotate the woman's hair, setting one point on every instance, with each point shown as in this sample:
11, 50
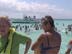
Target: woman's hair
5, 20
48, 19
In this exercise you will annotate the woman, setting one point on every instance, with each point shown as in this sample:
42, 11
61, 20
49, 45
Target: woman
10, 39
49, 42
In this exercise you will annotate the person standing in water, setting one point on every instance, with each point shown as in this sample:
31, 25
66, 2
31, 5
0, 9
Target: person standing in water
10, 39
49, 42
69, 50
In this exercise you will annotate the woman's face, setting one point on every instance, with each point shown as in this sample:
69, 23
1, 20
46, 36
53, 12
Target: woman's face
46, 26
4, 28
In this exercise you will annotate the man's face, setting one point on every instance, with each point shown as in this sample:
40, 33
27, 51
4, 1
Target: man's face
4, 28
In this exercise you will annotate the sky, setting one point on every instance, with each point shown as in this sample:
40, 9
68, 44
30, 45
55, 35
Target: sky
59, 9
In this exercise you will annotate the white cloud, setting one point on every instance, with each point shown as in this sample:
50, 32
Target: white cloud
16, 7
36, 7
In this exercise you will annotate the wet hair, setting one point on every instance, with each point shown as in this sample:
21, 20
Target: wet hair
6, 20
48, 19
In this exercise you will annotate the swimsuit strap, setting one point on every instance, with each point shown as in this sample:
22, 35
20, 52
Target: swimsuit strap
49, 47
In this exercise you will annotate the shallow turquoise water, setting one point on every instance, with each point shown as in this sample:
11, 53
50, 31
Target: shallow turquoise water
65, 37
35, 35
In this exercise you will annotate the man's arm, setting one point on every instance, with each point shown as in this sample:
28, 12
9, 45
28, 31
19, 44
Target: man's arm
24, 40
21, 39
68, 51
69, 47
28, 43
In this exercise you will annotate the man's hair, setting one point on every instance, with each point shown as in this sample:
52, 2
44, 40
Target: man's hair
5, 19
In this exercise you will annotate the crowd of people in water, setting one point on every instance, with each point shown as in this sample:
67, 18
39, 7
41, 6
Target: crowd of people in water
27, 28
38, 26
48, 42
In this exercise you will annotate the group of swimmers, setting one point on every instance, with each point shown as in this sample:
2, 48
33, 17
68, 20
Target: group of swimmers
48, 42
27, 28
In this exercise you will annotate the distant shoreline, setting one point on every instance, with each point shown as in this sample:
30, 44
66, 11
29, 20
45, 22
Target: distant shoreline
62, 19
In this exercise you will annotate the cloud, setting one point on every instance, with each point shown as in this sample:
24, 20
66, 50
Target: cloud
15, 7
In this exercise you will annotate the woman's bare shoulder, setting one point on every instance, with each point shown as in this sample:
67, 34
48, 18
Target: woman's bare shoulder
46, 34
43, 35
57, 34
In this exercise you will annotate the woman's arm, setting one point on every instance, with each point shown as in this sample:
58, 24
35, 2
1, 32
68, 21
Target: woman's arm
38, 42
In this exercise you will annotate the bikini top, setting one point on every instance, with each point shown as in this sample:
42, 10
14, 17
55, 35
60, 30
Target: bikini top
43, 47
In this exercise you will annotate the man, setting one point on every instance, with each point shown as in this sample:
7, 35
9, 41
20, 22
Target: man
10, 39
